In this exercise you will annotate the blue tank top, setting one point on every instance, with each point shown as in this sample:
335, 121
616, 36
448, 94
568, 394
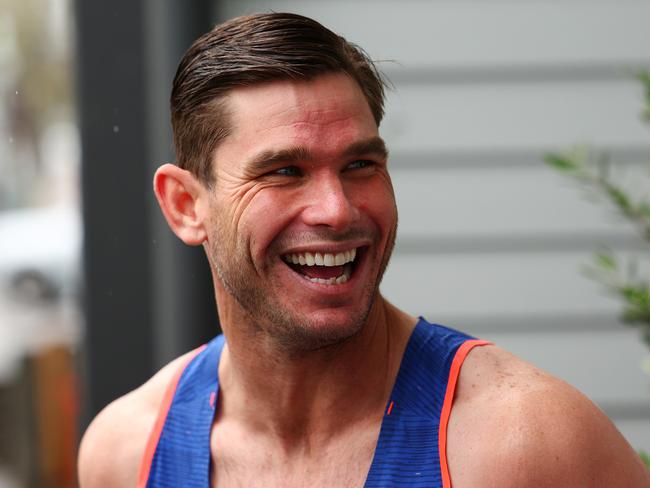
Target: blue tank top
411, 448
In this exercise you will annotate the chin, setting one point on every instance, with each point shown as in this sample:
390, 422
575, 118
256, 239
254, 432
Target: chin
318, 331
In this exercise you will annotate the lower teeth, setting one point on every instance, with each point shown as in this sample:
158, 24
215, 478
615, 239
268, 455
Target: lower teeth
331, 281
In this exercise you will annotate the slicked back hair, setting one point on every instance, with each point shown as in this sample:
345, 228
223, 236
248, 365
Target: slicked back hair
246, 51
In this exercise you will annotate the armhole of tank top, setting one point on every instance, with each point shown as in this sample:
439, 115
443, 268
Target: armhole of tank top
454, 371
156, 431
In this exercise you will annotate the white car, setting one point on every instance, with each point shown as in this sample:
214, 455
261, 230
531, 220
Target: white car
40, 253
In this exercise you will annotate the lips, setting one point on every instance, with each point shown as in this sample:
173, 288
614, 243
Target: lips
323, 267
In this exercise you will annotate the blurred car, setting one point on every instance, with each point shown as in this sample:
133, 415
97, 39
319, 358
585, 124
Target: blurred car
40, 251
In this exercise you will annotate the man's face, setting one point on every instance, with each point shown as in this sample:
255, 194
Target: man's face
302, 212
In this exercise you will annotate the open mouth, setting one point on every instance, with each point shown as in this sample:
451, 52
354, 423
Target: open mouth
323, 267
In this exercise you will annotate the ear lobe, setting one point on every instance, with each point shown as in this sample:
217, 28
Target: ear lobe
179, 195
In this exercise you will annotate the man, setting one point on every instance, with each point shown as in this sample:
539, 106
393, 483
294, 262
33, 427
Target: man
319, 381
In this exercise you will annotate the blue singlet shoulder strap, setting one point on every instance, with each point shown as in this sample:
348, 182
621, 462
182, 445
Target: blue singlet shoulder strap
413, 430
182, 456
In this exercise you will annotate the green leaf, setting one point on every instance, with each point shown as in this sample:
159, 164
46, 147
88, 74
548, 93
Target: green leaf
643, 208
619, 197
636, 295
605, 260
644, 77
562, 163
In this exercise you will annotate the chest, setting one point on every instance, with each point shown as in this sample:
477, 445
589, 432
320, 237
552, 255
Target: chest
242, 461
195, 451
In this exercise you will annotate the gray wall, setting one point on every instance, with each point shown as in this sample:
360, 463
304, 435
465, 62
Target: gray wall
491, 241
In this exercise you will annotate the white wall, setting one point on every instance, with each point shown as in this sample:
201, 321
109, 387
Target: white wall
491, 241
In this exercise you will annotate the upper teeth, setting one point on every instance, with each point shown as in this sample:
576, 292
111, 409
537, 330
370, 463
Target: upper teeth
322, 259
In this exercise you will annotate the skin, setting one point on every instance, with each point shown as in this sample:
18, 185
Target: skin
308, 368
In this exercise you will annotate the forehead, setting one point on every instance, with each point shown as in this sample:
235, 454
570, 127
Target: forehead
323, 115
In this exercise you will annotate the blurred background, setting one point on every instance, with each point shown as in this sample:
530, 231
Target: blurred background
96, 293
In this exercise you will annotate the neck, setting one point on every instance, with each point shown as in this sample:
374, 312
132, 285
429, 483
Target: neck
291, 396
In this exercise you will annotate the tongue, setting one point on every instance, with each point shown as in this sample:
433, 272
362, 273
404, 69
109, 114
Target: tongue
323, 272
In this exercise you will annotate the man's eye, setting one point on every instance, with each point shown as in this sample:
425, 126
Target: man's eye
360, 164
287, 171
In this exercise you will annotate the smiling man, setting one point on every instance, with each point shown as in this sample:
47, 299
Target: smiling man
317, 380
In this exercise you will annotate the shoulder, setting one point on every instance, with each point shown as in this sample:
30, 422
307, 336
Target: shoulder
113, 445
524, 427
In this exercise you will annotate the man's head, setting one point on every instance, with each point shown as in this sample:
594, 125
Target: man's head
290, 193
250, 50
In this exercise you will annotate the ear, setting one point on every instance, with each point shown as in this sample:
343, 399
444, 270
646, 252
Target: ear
180, 196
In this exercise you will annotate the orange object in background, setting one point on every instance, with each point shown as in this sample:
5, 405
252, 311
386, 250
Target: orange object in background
56, 408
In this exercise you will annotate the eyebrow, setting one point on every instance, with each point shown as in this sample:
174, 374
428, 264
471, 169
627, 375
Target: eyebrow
374, 145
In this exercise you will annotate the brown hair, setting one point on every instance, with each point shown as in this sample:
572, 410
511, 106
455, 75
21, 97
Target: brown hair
249, 50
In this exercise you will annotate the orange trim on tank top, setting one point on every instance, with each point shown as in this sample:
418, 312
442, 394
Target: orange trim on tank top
456, 364
390, 408
154, 435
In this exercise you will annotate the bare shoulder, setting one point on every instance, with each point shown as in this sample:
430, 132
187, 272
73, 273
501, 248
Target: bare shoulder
515, 425
114, 443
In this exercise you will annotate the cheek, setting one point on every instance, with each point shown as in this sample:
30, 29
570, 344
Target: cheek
232, 203
244, 210
379, 204
264, 219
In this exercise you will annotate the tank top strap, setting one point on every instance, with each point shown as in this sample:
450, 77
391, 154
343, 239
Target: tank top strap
182, 452
411, 450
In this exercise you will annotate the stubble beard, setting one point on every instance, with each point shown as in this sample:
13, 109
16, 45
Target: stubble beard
291, 332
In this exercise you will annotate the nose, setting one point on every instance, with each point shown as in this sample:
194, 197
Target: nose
329, 204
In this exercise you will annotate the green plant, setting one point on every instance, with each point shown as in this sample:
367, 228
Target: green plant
644, 78
645, 458
620, 274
